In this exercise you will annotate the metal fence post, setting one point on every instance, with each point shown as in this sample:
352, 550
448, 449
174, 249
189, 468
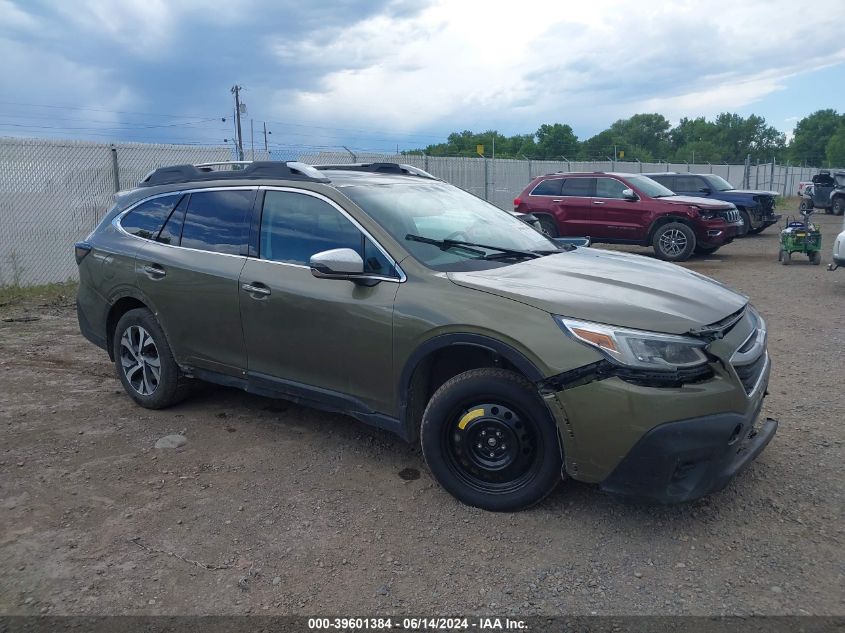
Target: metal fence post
425, 161
485, 180
785, 178
114, 169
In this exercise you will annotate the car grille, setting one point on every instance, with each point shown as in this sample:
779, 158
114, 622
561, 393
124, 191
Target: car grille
750, 359
730, 216
767, 204
749, 374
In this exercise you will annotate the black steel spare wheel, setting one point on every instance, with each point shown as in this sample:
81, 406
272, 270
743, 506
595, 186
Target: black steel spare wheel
489, 440
492, 447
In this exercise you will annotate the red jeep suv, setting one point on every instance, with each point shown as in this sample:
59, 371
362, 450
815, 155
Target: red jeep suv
629, 209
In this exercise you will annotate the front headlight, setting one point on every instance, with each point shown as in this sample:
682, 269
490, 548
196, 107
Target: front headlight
637, 348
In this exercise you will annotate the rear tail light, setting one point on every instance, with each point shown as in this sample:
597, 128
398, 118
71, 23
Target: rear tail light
517, 202
80, 250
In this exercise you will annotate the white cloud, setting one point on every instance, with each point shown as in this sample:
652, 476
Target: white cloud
151, 29
519, 64
78, 84
15, 19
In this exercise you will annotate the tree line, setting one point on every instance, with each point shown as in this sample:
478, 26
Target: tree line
819, 140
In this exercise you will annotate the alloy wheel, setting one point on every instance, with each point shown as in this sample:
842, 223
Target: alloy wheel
140, 360
673, 242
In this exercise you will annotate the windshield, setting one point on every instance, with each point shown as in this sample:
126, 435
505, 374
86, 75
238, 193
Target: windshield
649, 187
438, 211
719, 184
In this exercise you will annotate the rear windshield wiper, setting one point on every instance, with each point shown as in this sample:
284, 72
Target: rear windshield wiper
447, 243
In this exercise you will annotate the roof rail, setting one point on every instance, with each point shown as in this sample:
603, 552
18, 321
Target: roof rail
250, 170
381, 168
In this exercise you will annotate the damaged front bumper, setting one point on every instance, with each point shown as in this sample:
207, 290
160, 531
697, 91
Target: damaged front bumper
664, 437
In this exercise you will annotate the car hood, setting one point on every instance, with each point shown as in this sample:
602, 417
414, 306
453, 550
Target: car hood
610, 287
752, 192
709, 203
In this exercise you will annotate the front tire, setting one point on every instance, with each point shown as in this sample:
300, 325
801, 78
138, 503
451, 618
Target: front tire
490, 441
746, 223
144, 362
674, 242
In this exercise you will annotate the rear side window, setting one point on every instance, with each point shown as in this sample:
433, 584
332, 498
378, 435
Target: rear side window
688, 183
550, 187
147, 218
578, 187
172, 229
217, 221
295, 226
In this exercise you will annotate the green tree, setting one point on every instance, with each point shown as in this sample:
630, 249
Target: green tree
812, 134
737, 137
643, 136
556, 141
600, 146
835, 148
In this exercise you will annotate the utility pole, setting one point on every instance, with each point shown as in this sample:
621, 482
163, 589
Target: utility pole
236, 90
266, 149
252, 138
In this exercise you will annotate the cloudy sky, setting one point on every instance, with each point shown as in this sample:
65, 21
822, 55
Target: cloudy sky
376, 74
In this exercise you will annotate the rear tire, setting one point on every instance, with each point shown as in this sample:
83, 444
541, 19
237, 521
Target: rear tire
548, 225
490, 441
838, 206
144, 362
815, 258
804, 206
674, 242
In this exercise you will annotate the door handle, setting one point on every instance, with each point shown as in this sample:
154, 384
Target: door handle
597, 202
256, 288
154, 271
557, 200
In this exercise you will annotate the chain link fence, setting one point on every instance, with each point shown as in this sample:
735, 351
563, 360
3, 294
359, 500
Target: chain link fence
53, 193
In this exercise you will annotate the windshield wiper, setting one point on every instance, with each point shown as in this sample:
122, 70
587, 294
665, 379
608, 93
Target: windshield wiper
468, 246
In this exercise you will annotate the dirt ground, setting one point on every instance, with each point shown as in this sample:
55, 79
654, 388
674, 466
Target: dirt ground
271, 508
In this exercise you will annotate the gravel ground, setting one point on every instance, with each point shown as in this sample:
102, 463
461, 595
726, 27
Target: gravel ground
271, 508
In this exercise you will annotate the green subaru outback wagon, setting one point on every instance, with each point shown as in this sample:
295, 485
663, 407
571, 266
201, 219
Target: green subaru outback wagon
381, 292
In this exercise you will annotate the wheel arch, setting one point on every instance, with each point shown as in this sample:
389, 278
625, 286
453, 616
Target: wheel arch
668, 219
117, 308
444, 356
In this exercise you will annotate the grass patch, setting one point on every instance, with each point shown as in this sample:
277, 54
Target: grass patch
50, 294
788, 203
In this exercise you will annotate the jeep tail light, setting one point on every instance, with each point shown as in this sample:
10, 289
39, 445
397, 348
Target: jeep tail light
80, 250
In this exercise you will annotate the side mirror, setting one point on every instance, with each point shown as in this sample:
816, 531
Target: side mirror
706, 191
340, 263
629, 194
